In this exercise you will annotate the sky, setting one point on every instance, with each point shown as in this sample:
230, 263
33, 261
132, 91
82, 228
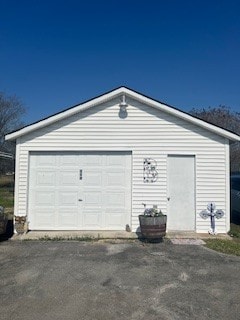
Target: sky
56, 54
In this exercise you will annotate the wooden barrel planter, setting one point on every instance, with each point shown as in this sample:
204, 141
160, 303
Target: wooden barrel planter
153, 227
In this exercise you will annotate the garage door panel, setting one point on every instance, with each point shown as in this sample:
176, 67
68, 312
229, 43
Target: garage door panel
69, 198
44, 218
44, 198
116, 160
92, 199
46, 178
115, 199
115, 219
68, 178
91, 160
61, 199
92, 178
67, 218
115, 179
68, 161
92, 219
46, 160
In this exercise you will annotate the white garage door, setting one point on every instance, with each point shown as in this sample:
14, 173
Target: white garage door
80, 191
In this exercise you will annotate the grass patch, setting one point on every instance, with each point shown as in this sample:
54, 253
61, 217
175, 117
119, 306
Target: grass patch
7, 191
7, 181
227, 246
6, 198
224, 246
85, 238
79, 238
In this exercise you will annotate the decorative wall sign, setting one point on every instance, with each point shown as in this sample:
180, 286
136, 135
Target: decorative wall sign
150, 173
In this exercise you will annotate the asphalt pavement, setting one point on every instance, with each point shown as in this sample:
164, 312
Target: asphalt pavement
119, 280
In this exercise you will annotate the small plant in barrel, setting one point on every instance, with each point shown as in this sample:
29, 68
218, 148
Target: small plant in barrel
153, 223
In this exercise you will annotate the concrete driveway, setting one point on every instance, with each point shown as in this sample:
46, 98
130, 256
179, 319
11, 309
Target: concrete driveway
129, 280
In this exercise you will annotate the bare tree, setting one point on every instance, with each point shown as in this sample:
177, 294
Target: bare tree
223, 117
11, 113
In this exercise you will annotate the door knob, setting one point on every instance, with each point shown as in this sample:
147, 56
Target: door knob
168, 198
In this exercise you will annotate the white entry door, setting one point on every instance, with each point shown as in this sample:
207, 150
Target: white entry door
181, 193
80, 191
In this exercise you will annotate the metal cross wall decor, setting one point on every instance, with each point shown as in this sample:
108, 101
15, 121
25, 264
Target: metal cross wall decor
212, 213
150, 173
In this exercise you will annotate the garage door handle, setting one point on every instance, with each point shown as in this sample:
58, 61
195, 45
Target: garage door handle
80, 174
80, 199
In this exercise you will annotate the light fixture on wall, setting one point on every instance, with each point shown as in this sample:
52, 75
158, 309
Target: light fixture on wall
123, 105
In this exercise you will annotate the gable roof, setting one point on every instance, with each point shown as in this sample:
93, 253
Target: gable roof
129, 93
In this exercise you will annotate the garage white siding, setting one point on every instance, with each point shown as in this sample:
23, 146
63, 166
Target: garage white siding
146, 132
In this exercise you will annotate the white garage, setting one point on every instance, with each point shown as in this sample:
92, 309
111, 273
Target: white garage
79, 191
92, 166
